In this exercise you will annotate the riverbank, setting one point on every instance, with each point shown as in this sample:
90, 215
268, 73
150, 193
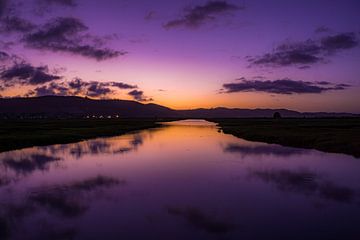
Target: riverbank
28, 133
340, 135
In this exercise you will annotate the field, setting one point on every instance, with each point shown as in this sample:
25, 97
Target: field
340, 135
27, 133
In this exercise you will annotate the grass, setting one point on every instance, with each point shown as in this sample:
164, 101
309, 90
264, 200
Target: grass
28, 133
341, 135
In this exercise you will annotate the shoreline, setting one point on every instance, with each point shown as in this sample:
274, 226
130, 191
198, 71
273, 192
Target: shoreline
15, 135
340, 135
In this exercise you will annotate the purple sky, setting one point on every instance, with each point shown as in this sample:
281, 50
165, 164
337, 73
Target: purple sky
302, 55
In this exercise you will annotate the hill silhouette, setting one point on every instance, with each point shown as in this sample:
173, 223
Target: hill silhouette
71, 106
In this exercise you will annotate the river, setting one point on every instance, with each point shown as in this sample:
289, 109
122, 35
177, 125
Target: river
185, 180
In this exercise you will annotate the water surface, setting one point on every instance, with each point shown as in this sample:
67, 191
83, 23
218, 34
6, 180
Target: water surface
185, 180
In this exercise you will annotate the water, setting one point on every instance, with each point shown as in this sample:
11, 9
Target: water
186, 180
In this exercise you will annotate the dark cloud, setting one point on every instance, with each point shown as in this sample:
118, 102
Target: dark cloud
24, 73
12, 24
97, 89
122, 85
42, 7
3, 7
139, 96
4, 56
306, 53
70, 3
198, 15
339, 42
69, 35
290, 54
78, 86
51, 89
283, 86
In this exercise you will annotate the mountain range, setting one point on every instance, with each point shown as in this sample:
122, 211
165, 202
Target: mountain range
71, 106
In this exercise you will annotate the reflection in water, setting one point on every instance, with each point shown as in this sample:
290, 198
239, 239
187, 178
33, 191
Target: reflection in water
79, 191
305, 182
28, 164
262, 149
4, 180
67, 200
196, 218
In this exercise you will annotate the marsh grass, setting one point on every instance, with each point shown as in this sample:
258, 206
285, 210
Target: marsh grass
340, 135
27, 133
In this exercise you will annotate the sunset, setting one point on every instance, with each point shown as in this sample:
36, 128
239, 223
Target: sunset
169, 119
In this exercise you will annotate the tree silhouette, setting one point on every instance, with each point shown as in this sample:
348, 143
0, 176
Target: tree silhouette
277, 115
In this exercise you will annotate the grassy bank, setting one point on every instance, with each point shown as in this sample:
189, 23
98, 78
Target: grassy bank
329, 135
27, 133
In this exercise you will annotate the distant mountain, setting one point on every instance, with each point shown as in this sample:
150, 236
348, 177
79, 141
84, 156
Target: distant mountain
238, 113
57, 106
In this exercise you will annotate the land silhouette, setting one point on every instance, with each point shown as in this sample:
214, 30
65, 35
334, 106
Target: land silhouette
78, 107
27, 122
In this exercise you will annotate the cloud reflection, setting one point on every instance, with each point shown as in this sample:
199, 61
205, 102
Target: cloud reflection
262, 149
29, 164
305, 182
69, 200
198, 219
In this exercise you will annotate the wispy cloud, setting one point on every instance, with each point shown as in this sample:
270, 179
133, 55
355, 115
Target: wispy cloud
26, 74
70, 3
322, 29
196, 16
307, 52
11, 24
282, 86
69, 35
80, 87
42, 7
139, 96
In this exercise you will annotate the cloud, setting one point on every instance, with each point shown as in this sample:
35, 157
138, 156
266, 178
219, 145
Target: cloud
4, 56
96, 89
339, 42
139, 96
77, 86
322, 29
121, 85
53, 88
42, 7
24, 73
306, 53
12, 24
69, 35
199, 15
282, 86
69, 3
3, 7
150, 15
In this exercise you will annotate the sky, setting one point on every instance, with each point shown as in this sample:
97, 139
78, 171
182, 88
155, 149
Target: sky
301, 55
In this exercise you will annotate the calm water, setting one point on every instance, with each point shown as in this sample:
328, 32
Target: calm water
186, 180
